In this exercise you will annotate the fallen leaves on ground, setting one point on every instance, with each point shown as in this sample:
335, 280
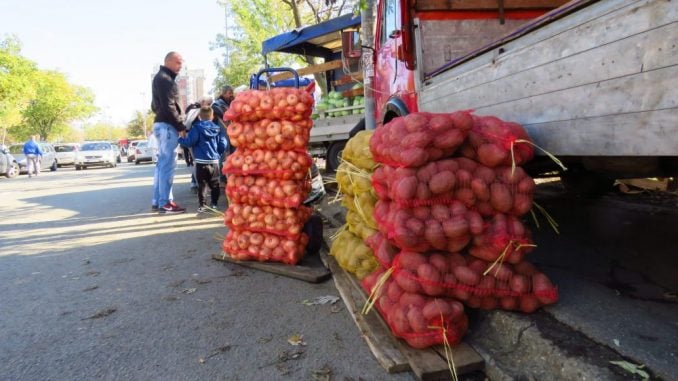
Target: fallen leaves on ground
321, 300
323, 374
101, 314
296, 340
215, 352
632, 368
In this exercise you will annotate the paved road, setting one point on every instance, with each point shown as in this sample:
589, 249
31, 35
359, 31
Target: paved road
95, 286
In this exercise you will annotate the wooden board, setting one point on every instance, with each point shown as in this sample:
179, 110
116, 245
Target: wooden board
309, 269
331, 65
391, 353
599, 82
349, 78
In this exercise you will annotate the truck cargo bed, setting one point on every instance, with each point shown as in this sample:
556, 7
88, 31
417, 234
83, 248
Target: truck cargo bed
601, 81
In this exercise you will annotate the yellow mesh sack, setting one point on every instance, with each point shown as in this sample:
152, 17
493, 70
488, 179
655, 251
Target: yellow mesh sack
353, 255
358, 226
357, 151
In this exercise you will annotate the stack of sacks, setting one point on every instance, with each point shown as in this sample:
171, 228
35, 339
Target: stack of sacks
451, 193
268, 175
354, 177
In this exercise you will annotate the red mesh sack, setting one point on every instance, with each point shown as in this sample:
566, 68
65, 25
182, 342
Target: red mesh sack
437, 227
278, 103
420, 320
417, 138
271, 135
263, 247
284, 222
491, 141
489, 191
383, 251
285, 165
503, 239
477, 283
258, 190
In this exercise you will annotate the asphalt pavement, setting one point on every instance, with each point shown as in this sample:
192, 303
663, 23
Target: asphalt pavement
96, 286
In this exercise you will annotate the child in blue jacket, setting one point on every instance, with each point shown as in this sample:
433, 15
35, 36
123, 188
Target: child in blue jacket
209, 143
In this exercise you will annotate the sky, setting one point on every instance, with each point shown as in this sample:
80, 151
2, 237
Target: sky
114, 47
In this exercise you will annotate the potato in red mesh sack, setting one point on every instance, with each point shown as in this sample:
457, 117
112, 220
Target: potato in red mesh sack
437, 227
259, 190
491, 142
420, 320
278, 103
264, 247
476, 283
271, 135
489, 191
267, 219
383, 251
415, 139
285, 165
504, 238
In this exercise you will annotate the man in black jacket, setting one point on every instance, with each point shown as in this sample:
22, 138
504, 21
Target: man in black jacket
168, 123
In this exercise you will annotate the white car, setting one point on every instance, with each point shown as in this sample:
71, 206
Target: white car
65, 153
95, 154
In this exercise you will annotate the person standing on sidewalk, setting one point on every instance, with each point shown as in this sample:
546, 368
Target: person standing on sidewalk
33, 154
169, 121
208, 142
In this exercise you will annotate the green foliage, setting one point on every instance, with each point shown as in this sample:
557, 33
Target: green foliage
55, 105
16, 83
136, 127
104, 131
259, 20
34, 101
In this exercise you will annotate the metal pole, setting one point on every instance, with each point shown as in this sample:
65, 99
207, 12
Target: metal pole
367, 38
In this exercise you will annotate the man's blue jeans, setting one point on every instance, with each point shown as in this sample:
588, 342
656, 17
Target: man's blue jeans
167, 138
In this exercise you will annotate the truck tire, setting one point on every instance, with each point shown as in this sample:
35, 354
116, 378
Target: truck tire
581, 182
333, 157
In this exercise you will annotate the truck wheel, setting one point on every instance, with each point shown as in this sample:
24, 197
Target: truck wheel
54, 166
333, 157
581, 182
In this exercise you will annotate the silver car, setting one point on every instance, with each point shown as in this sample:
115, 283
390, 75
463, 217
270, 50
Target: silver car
144, 152
95, 154
8, 164
47, 161
65, 153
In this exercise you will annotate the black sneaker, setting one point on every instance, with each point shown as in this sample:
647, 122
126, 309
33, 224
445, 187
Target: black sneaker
202, 209
214, 206
155, 208
171, 208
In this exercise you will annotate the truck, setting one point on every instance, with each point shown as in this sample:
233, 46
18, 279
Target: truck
340, 110
593, 82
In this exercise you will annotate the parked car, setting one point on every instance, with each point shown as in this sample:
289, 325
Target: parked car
118, 155
8, 164
48, 160
65, 153
95, 154
143, 152
131, 152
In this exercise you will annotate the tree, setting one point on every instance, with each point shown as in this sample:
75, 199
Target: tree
16, 83
55, 104
259, 20
141, 125
104, 131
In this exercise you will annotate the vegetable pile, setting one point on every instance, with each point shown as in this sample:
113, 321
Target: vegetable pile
450, 197
268, 175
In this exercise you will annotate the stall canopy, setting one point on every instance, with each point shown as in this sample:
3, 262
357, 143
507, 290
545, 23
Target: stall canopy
320, 40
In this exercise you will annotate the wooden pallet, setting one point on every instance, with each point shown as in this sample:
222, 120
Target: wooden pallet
310, 269
393, 354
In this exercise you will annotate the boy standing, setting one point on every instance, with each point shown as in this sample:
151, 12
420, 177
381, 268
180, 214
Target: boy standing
208, 142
